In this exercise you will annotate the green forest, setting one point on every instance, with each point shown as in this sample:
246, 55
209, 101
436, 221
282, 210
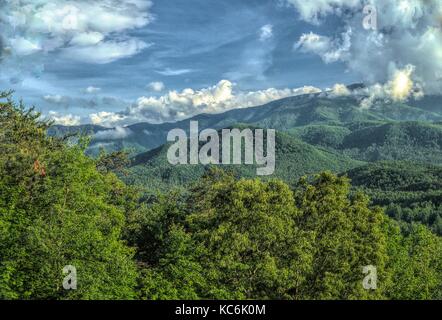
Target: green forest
346, 194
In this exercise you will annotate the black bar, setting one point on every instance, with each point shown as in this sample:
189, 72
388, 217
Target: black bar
218, 309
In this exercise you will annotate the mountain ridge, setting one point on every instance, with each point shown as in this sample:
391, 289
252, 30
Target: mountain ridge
282, 115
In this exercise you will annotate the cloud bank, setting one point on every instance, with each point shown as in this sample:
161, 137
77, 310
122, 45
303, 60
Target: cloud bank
64, 120
113, 134
181, 105
92, 31
407, 41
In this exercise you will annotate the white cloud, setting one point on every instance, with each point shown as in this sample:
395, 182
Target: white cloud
312, 11
56, 99
399, 88
156, 86
93, 31
329, 50
24, 47
107, 119
87, 39
266, 32
339, 90
181, 105
105, 52
65, 120
171, 72
92, 90
99, 145
409, 33
113, 134
312, 42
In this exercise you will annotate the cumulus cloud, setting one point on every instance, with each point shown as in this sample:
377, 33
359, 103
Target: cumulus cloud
266, 32
408, 33
113, 134
92, 31
156, 86
312, 11
181, 105
399, 89
87, 39
340, 90
107, 119
330, 50
92, 90
100, 145
65, 120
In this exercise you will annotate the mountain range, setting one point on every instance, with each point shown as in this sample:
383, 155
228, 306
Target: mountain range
392, 151
282, 115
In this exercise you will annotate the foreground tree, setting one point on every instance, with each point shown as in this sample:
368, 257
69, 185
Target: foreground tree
252, 245
56, 210
347, 235
414, 264
258, 240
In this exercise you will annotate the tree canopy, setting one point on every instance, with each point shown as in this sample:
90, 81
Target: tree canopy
221, 238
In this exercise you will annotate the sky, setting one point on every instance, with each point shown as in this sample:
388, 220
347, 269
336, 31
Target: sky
115, 63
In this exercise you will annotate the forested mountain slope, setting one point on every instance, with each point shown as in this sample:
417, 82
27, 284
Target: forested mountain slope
283, 114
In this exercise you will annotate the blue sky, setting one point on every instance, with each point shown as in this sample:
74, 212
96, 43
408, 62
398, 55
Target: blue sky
169, 46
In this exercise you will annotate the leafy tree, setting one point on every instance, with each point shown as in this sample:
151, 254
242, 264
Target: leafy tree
253, 249
414, 264
56, 209
347, 236
178, 273
248, 239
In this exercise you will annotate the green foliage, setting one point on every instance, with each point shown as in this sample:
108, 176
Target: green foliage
410, 141
294, 159
227, 236
410, 192
253, 247
415, 264
347, 236
112, 162
56, 209
322, 135
248, 239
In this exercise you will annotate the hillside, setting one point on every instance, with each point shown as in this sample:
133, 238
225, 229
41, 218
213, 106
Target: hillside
376, 141
315, 133
409, 191
294, 159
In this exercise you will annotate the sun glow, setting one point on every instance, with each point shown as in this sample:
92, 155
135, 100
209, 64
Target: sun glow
402, 85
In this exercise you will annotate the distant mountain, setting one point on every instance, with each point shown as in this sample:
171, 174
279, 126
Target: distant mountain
375, 141
294, 159
397, 176
392, 151
409, 191
281, 115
